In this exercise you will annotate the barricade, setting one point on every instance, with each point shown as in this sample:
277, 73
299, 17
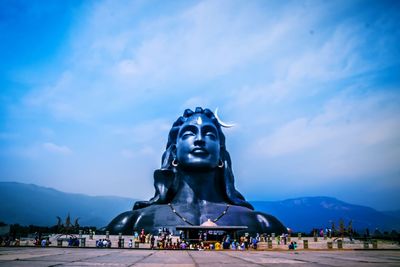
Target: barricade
340, 244
374, 244
305, 244
82, 242
121, 243
61, 240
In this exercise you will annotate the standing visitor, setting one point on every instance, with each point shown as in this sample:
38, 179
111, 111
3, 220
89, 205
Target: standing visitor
152, 239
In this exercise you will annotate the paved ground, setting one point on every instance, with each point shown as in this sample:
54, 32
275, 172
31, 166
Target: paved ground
128, 257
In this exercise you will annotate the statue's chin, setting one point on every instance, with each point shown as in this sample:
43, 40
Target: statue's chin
198, 167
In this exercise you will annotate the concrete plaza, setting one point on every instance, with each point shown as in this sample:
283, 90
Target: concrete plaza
35, 256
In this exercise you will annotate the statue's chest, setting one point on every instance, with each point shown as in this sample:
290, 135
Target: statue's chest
199, 214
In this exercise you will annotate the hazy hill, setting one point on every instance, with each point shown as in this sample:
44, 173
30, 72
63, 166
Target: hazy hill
31, 204
393, 213
303, 214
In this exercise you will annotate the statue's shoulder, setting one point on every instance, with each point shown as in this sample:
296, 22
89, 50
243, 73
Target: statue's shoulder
239, 215
138, 219
270, 223
149, 212
264, 215
123, 223
258, 221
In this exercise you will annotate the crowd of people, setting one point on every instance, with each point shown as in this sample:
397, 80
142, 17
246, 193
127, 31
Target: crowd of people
73, 241
205, 240
9, 241
292, 245
103, 243
165, 240
43, 242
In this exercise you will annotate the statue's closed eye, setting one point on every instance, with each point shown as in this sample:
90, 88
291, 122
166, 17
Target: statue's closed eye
211, 135
188, 134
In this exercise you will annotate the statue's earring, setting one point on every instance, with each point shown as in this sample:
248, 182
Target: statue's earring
220, 164
175, 163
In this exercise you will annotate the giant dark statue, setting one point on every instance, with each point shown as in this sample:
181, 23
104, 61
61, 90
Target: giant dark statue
195, 184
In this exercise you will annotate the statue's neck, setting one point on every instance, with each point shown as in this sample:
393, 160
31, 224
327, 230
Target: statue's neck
199, 187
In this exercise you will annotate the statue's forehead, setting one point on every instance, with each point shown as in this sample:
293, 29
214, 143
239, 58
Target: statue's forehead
199, 119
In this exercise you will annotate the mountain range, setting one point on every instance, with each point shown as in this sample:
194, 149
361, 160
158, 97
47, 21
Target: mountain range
29, 204
306, 213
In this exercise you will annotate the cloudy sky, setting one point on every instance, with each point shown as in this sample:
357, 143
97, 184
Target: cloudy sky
90, 89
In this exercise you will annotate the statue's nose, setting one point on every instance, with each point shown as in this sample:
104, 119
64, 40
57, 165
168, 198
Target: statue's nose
199, 140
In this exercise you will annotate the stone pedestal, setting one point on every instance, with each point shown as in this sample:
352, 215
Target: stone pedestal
262, 245
330, 245
121, 243
340, 244
305, 244
82, 242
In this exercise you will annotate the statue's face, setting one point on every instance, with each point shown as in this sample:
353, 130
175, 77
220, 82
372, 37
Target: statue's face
198, 143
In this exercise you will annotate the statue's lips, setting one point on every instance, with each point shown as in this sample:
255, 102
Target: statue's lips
199, 152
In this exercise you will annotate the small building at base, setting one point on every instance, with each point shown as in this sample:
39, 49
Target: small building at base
209, 232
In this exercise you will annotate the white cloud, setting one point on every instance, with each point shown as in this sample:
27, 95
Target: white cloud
280, 72
149, 151
145, 151
144, 132
350, 137
196, 101
127, 153
58, 149
110, 69
47, 132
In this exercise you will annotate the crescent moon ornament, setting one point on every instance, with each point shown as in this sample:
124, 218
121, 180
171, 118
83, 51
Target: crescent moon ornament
223, 124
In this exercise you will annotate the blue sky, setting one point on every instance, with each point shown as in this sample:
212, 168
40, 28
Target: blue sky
90, 89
